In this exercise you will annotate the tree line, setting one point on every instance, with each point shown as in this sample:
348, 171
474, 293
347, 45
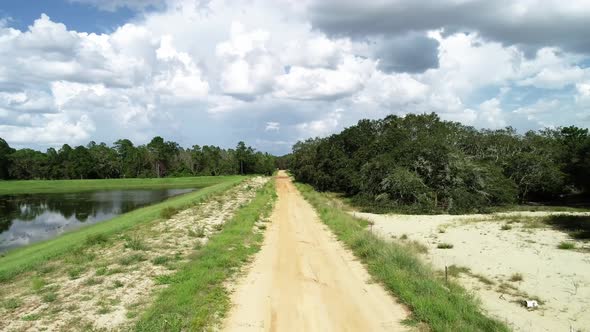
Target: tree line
419, 163
123, 159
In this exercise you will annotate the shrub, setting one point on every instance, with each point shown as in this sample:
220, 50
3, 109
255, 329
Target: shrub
566, 245
168, 212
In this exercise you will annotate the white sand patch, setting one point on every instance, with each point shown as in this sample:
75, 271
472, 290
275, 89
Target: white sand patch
560, 278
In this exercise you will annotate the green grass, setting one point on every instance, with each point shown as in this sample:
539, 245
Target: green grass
442, 306
566, 245
196, 298
29, 257
67, 186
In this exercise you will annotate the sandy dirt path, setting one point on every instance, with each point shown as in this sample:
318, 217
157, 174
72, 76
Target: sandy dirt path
304, 280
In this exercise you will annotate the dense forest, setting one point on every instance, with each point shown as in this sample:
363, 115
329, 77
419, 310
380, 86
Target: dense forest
419, 163
124, 160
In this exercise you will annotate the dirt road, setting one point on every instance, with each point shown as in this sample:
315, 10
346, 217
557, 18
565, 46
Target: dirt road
304, 280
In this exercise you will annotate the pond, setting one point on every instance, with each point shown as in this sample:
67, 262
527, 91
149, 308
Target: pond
30, 218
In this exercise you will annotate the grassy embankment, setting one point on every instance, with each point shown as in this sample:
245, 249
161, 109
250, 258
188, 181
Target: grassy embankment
67, 186
26, 258
442, 306
196, 298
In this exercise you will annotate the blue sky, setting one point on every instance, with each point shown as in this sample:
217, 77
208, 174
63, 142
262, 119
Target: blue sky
274, 72
77, 16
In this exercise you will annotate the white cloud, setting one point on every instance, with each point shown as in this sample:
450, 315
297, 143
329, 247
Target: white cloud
272, 126
262, 65
322, 127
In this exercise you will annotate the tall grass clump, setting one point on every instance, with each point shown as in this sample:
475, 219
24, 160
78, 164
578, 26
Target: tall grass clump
442, 306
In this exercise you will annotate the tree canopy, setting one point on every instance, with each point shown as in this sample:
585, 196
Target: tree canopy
125, 160
423, 164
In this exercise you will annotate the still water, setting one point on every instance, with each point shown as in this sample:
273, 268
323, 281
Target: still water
29, 218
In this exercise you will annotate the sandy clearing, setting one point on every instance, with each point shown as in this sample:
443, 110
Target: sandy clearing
112, 301
561, 278
304, 280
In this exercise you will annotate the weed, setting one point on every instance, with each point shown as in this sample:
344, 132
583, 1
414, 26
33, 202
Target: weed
455, 271
444, 246
404, 237
160, 260
135, 243
95, 239
37, 284
101, 271
75, 272
516, 277
482, 279
506, 227
31, 317
11, 304
132, 259
118, 284
93, 281
168, 212
416, 247
566, 245
49, 297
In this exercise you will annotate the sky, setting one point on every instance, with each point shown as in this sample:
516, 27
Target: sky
273, 72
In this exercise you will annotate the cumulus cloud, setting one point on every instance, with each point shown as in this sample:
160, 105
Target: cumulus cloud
286, 70
536, 23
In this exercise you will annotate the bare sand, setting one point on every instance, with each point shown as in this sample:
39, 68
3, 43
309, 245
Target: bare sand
304, 280
560, 278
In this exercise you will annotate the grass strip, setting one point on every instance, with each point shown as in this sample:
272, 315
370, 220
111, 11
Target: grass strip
68, 186
26, 258
196, 298
442, 306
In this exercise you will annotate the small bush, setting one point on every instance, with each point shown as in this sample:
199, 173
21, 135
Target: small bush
444, 246
168, 212
12, 303
160, 260
135, 243
455, 271
95, 239
132, 259
93, 281
404, 237
566, 245
516, 277
49, 297
31, 317
37, 284
75, 272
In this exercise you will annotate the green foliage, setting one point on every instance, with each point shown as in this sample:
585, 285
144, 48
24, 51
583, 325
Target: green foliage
421, 164
566, 245
156, 159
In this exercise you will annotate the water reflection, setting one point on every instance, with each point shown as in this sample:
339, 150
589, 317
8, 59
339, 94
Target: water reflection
26, 219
